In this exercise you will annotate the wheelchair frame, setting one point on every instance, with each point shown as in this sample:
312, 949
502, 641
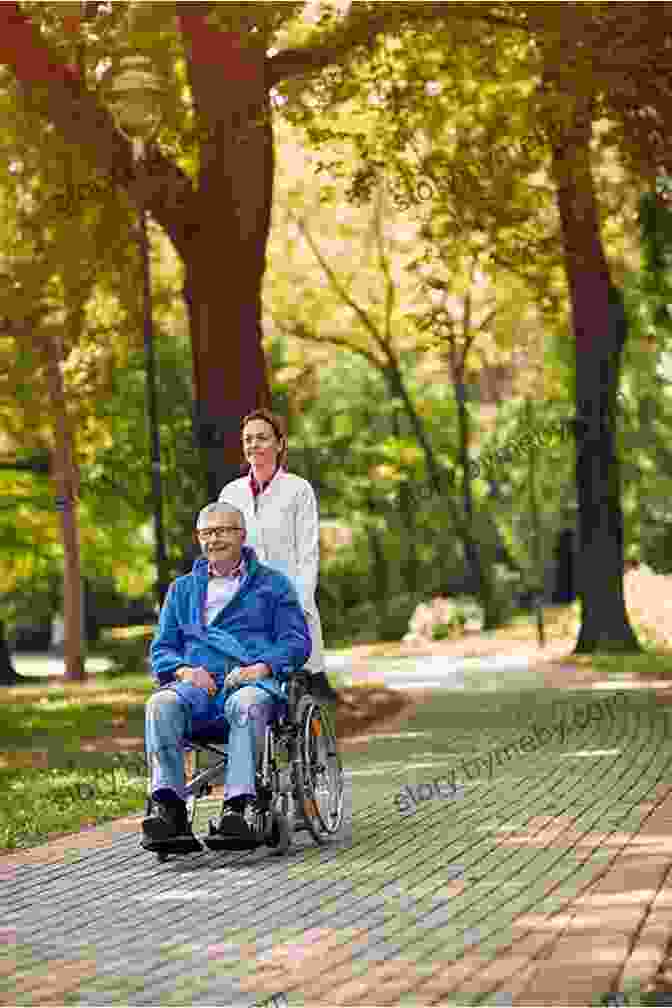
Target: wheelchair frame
314, 774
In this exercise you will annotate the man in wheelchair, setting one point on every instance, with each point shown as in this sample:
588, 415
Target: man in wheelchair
230, 633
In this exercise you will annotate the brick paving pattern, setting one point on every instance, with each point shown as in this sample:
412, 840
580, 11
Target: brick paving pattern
548, 884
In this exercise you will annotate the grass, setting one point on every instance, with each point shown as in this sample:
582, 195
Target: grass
632, 994
651, 664
48, 784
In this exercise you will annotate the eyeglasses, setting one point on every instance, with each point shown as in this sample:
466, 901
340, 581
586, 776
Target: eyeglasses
217, 533
261, 439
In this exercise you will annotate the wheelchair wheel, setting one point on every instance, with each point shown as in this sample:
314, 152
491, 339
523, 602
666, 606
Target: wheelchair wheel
319, 787
279, 835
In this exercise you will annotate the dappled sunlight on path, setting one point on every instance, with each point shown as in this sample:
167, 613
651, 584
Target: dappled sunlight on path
545, 883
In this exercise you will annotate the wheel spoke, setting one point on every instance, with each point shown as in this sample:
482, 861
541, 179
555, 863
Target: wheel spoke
322, 777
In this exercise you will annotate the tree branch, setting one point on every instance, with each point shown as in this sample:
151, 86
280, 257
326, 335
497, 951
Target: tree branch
340, 290
390, 290
88, 126
301, 332
360, 29
482, 326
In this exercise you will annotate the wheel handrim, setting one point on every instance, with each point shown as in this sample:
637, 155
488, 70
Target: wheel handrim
323, 774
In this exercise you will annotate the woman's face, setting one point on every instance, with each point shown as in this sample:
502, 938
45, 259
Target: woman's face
261, 445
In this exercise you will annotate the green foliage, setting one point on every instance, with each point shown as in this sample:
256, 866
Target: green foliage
414, 97
121, 473
655, 219
644, 414
368, 622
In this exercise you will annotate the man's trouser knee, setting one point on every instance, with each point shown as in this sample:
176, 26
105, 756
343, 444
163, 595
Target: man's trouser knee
167, 722
248, 712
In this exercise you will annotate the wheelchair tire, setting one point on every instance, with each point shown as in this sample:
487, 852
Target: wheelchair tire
280, 837
319, 787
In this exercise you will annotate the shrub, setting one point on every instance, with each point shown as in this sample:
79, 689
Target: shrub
444, 617
370, 622
442, 631
128, 650
395, 615
506, 584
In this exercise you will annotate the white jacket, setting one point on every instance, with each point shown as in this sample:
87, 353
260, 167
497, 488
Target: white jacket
284, 531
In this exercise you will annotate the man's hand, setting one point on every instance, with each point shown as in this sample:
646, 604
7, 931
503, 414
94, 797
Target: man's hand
199, 676
252, 672
246, 675
233, 678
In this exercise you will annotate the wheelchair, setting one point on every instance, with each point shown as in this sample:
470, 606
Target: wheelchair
299, 777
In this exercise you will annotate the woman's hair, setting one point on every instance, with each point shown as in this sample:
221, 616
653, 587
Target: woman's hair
274, 421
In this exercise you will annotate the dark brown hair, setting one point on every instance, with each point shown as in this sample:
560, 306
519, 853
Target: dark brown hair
274, 421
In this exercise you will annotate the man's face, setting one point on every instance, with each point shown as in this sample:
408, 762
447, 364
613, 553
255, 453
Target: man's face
221, 536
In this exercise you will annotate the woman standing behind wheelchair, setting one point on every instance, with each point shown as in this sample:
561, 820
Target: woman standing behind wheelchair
282, 523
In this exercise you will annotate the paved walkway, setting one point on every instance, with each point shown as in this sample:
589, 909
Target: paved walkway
541, 875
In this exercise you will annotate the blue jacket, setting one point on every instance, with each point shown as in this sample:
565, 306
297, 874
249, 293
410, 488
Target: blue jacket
263, 622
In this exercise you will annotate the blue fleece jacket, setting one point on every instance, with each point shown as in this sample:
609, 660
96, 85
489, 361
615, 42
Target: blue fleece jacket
263, 622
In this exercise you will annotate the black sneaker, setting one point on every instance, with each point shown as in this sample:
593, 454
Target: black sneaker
168, 830
234, 830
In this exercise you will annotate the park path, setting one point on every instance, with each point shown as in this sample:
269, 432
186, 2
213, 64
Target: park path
546, 881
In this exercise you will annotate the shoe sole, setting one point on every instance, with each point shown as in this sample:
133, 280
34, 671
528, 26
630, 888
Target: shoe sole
158, 830
174, 845
228, 842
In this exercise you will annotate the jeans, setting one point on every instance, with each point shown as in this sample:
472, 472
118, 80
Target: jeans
168, 724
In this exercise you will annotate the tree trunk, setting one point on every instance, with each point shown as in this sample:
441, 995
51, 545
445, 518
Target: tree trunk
8, 674
483, 587
537, 574
409, 547
68, 491
563, 580
219, 230
225, 256
379, 568
411, 565
600, 329
229, 373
